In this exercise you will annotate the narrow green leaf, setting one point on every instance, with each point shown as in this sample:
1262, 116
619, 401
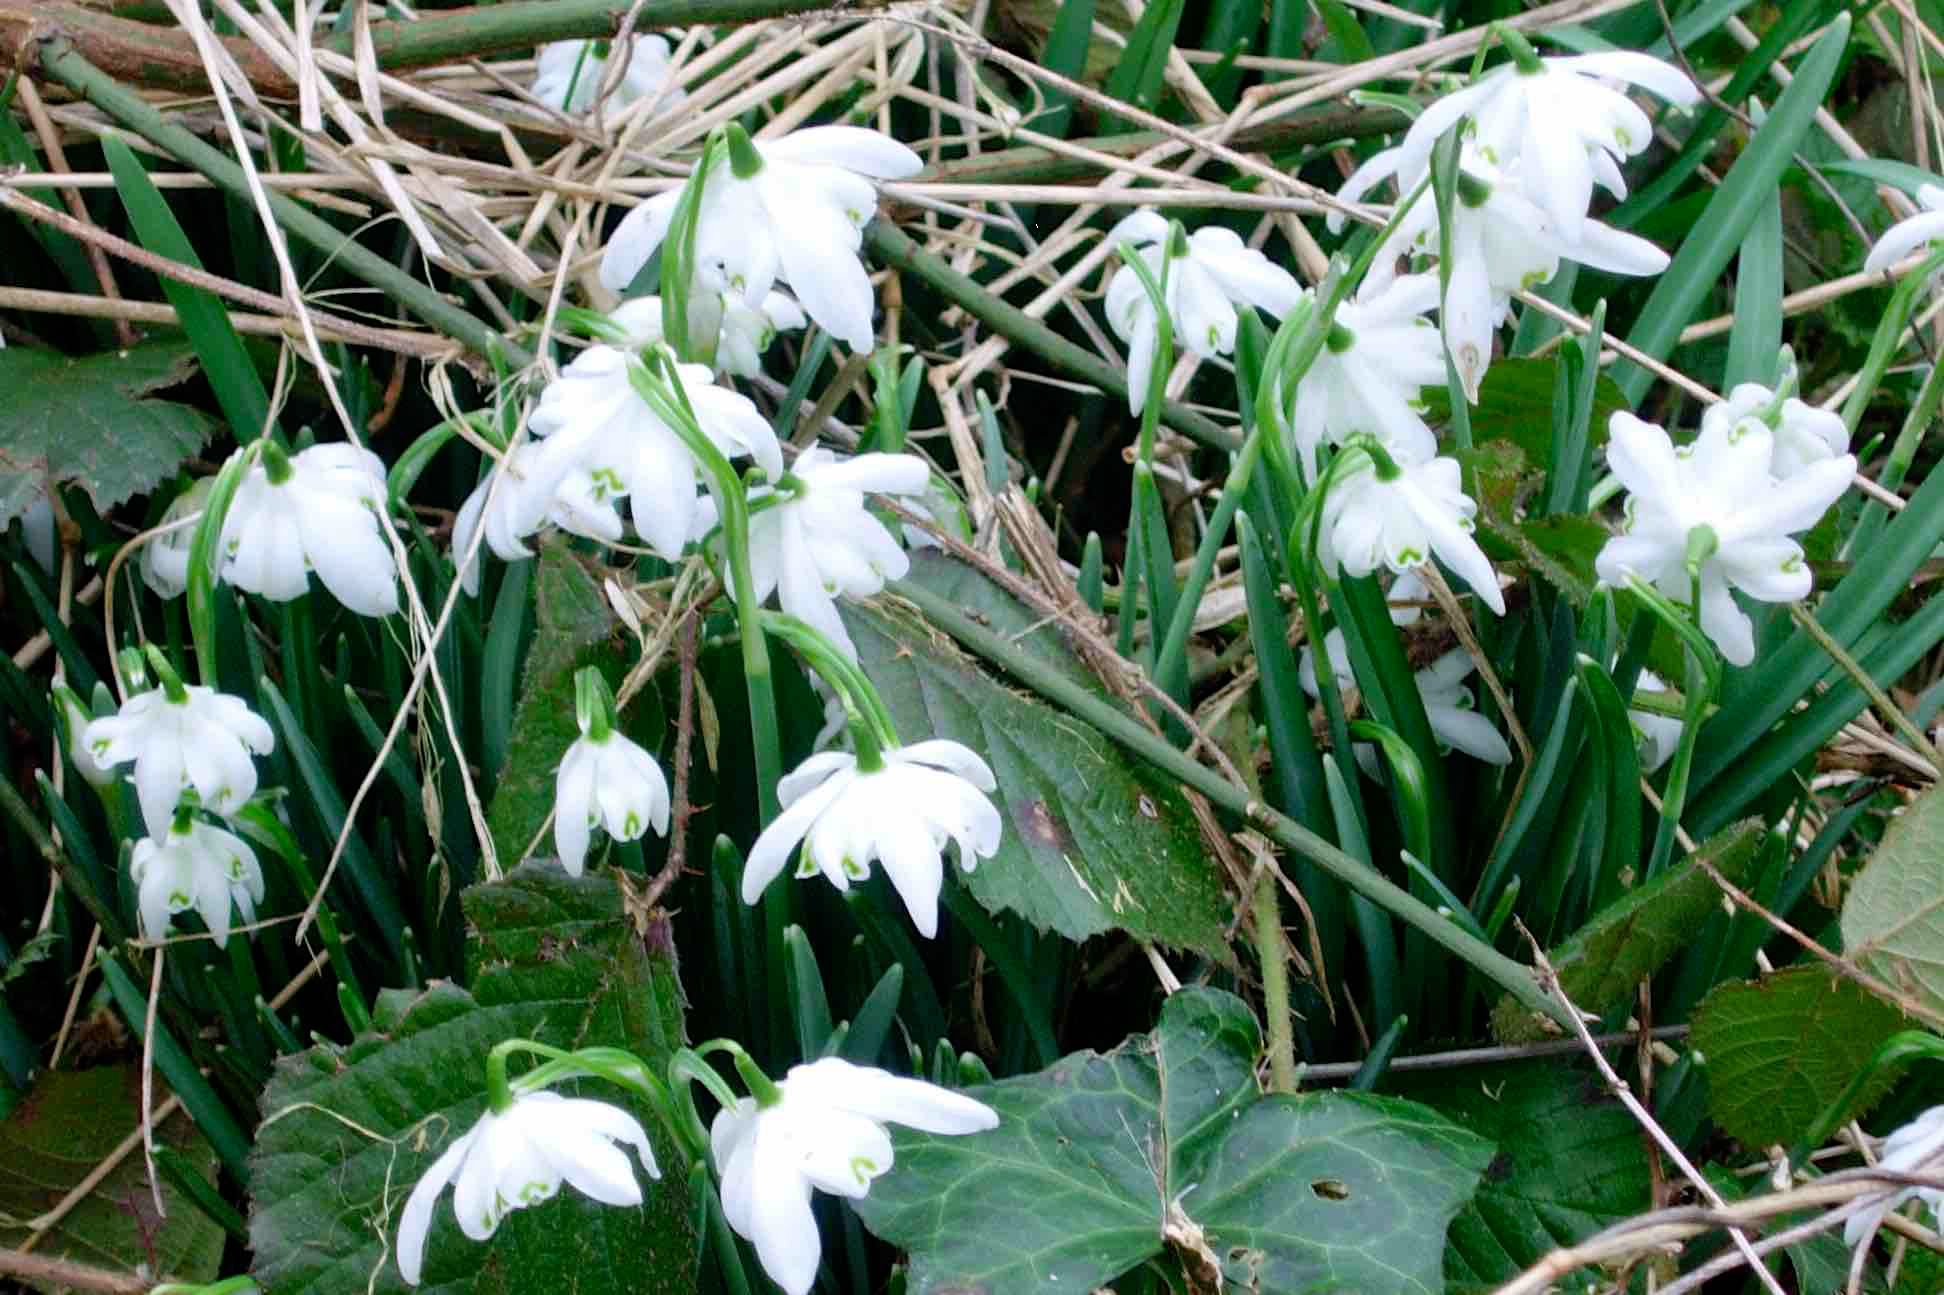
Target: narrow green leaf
1065, 55
1755, 341
232, 375
810, 1006
1748, 186
1136, 79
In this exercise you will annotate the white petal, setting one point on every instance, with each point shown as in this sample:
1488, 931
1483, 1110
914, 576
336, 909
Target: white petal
853, 148
779, 841
634, 241
893, 1098
416, 1219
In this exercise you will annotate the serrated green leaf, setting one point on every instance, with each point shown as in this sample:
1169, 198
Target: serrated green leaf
1568, 1164
1103, 1163
1093, 841
1632, 937
1780, 1049
1893, 915
347, 1131
68, 1123
89, 422
1515, 404
573, 627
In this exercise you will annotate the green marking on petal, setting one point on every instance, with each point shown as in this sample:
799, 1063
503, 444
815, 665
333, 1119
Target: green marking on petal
864, 1168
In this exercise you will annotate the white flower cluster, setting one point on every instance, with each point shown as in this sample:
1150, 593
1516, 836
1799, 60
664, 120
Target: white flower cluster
1719, 514
181, 740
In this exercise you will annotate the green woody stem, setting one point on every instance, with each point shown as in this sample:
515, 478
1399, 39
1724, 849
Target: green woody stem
1077, 700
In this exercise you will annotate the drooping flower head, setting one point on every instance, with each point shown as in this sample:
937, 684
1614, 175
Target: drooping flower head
1502, 242
181, 737
312, 511
165, 559
1717, 494
1911, 233
568, 74
195, 865
531, 491
593, 420
1804, 434
900, 813
518, 1157
1562, 117
1202, 286
604, 779
742, 331
790, 209
825, 1130
1400, 516
812, 539
1380, 355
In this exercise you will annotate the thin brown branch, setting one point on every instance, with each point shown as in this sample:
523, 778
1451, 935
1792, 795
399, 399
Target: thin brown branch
43, 1271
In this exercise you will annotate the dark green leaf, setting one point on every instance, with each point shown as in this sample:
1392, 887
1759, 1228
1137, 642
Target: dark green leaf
70, 1122
1164, 1147
1093, 841
1515, 403
573, 627
1781, 1049
88, 422
347, 1131
1630, 938
1568, 1164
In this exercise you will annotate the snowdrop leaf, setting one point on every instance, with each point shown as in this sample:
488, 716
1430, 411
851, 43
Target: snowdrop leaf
1568, 1164
69, 1122
1780, 1049
1630, 938
90, 421
1165, 1149
348, 1131
1893, 916
1092, 841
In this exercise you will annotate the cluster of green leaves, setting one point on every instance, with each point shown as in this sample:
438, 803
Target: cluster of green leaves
1155, 1160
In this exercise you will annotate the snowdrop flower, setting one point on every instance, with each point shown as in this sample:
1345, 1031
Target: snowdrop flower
583, 65
312, 511
1560, 117
1907, 235
1448, 702
1380, 354
900, 812
1659, 735
1501, 242
1804, 434
1401, 520
792, 209
517, 1157
1913, 1148
182, 737
195, 866
75, 716
1721, 483
819, 540
534, 490
594, 421
743, 332
825, 1129
1203, 285
604, 778
165, 559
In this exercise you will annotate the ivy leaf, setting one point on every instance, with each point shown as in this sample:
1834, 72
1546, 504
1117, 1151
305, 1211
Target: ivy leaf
1633, 936
1893, 916
1093, 842
1165, 1149
1568, 1164
88, 421
1782, 1048
71, 1121
348, 1131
